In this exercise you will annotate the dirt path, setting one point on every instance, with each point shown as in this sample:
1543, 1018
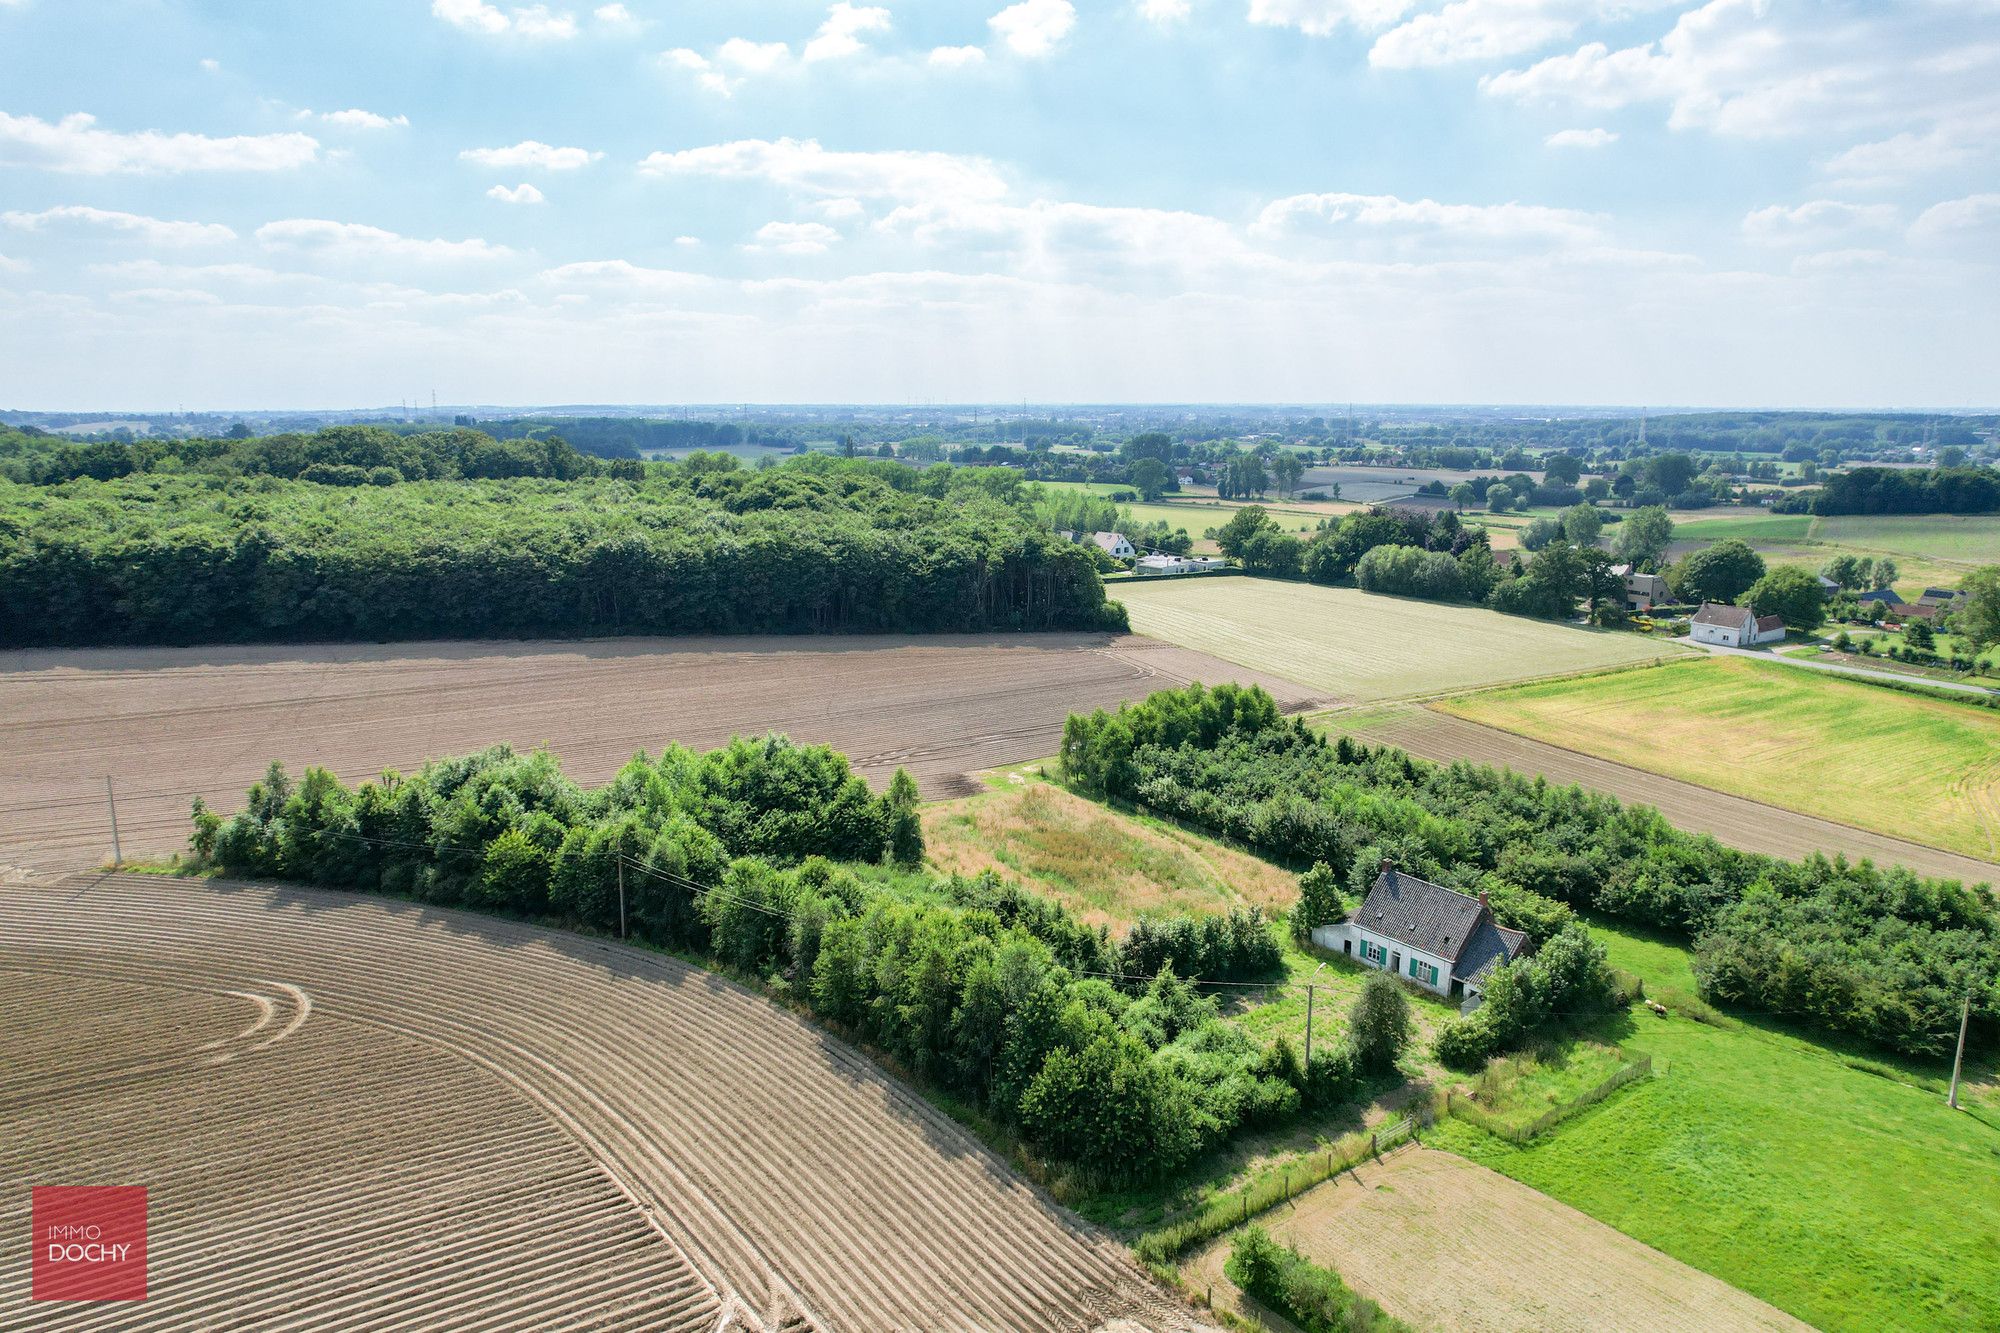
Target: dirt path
1739, 822
1447, 1244
173, 723
424, 1115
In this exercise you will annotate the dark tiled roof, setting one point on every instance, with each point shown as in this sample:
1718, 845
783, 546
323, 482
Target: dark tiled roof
1420, 914
1880, 595
1721, 613
1491, 946
1765, 624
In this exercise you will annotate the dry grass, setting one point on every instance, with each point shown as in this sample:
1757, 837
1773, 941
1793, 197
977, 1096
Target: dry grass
1443, 1243
1364, 647
1108, 868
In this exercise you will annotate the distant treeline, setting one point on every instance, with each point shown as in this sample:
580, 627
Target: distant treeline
1875, 952
818, 546
629, 437
1891, 490
336, 456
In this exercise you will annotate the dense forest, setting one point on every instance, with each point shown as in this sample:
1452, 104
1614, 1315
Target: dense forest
775, 860
1853, 948
818, 546
1883, 490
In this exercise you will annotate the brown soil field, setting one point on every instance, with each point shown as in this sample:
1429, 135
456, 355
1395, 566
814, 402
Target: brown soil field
1735, 820
174, 723
1445, 1243
354, 1113
1107, 867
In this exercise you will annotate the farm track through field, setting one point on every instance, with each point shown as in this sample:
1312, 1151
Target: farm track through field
356, 1113
174, 723
1735, 820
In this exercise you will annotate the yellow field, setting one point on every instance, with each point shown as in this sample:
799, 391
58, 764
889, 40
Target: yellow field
1106, 867
1919, 769
1358, 646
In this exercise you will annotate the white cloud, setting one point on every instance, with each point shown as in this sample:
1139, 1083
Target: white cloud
533, 21
356, 119
752, 57
624, 278
357, 240
1034, 28
73, 144
957, 57
699, 65
687, 242
1815, 222
840, 35
156, 230
1490, 29
531, 154
1165, 12
803, 165
523, 193
839, 210
1755, 70
616, 16
1943, 147
1598, 137
1317, 18
795, 238
212, 66
1973, 215
1386, 214
13, 265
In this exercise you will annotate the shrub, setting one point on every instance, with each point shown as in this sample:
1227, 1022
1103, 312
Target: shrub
1311, 1296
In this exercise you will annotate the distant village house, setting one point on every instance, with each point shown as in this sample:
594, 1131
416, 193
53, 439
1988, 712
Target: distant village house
1734, 626
1114, 545
1176, 564
1643, 592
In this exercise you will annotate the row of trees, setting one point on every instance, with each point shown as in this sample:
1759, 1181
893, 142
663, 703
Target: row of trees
826, 547
1876, 952
1881, 490
776, 860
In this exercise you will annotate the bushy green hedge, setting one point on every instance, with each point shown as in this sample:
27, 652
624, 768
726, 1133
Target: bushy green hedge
1880, 953
1311, 1296
981, 988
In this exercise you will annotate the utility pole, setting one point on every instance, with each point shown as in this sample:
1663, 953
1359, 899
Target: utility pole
118, 853
1309, 1015
1964, 1013
621, 895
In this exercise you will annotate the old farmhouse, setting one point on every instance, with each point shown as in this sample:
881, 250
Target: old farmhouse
1441, 939
1734, 626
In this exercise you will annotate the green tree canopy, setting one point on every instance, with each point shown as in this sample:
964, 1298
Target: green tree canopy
1722, 572
1793, 594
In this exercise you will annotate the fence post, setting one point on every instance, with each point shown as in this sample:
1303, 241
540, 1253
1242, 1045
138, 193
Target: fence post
1374, 1149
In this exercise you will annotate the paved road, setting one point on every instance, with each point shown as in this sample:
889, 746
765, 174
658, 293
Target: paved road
1840, 669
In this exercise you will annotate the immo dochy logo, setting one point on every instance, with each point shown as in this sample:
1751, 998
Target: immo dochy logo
90, 1243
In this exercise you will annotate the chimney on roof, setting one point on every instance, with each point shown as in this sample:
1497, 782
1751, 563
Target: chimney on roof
1388, 866
1483, 902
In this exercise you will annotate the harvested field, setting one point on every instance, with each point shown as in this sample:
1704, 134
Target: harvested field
1444, 1243
1739, 822
173, 723
1809, 741
359, 1113
1359, 646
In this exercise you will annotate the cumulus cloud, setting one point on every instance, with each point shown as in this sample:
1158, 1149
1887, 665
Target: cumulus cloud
1899, 157
957, 57
356, 119
533, 21
1598, 137
523, 193
795, 238
1976, 215
319, 236
1318, 18
1165, 12
615, 16
1034, 28
840, 35
74, 144
1490, 29
1386, 214
1815, 222
802, 165
531, 154
155, 230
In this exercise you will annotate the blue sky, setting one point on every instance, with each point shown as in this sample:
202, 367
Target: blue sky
297, 203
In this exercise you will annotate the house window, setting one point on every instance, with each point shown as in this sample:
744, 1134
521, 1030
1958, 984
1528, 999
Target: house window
1423, 972
1373, 952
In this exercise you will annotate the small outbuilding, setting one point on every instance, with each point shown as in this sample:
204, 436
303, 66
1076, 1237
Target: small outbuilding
1439, 938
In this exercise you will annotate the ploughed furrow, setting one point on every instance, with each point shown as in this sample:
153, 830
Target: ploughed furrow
342, 1177
757, 1163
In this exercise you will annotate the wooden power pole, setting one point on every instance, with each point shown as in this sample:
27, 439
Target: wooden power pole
1964, 1013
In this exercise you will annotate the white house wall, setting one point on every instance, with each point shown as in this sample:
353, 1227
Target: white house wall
1342, 934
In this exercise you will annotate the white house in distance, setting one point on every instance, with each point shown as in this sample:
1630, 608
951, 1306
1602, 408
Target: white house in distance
1159, 563
1442, 940
1734, 626
1114, 545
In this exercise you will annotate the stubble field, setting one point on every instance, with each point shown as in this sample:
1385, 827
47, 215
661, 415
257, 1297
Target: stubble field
174, 723
359, 1113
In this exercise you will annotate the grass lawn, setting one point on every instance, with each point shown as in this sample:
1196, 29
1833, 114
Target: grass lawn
1107, 867
1963, 539
1365, 647
1916, 768
1929, 549
1849, 1198
1757, 528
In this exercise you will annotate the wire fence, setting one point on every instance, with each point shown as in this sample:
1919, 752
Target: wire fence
1463, 1107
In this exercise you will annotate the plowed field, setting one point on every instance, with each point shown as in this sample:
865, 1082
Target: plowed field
173, 723
357, 1114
